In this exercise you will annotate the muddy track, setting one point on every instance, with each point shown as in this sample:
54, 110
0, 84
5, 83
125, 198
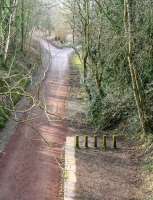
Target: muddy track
30, 168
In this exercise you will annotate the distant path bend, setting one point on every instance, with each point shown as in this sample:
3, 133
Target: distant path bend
28, 168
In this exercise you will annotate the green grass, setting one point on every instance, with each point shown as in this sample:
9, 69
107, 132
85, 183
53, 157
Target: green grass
76, 62
149, 166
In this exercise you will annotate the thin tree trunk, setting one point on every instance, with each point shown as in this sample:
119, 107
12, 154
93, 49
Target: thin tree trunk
9, 29
22, 25
85, 75
133, 71
86, 48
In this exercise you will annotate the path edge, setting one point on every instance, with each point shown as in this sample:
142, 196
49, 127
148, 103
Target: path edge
70, 169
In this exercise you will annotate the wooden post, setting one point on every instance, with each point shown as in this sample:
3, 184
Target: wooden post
86, 141
105, 142
77, 142
114, 141
95, 141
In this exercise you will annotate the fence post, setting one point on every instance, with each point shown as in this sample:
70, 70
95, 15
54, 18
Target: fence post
77, 142
105, 142
86, 141
95, 141
114, 141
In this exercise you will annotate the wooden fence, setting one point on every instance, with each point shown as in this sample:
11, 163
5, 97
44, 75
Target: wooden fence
103, 144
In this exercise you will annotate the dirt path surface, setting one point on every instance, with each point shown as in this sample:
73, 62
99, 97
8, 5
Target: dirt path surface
29, 169
110, 175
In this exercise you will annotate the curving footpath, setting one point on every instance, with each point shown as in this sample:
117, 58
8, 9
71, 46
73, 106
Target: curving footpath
30, 168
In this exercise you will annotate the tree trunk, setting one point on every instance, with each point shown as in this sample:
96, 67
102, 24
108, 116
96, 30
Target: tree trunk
9, 29
137, 89
86, 48
22, 25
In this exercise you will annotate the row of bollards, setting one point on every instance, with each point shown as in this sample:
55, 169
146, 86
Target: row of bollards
95, 138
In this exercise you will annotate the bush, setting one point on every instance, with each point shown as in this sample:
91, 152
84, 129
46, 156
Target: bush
110, 111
